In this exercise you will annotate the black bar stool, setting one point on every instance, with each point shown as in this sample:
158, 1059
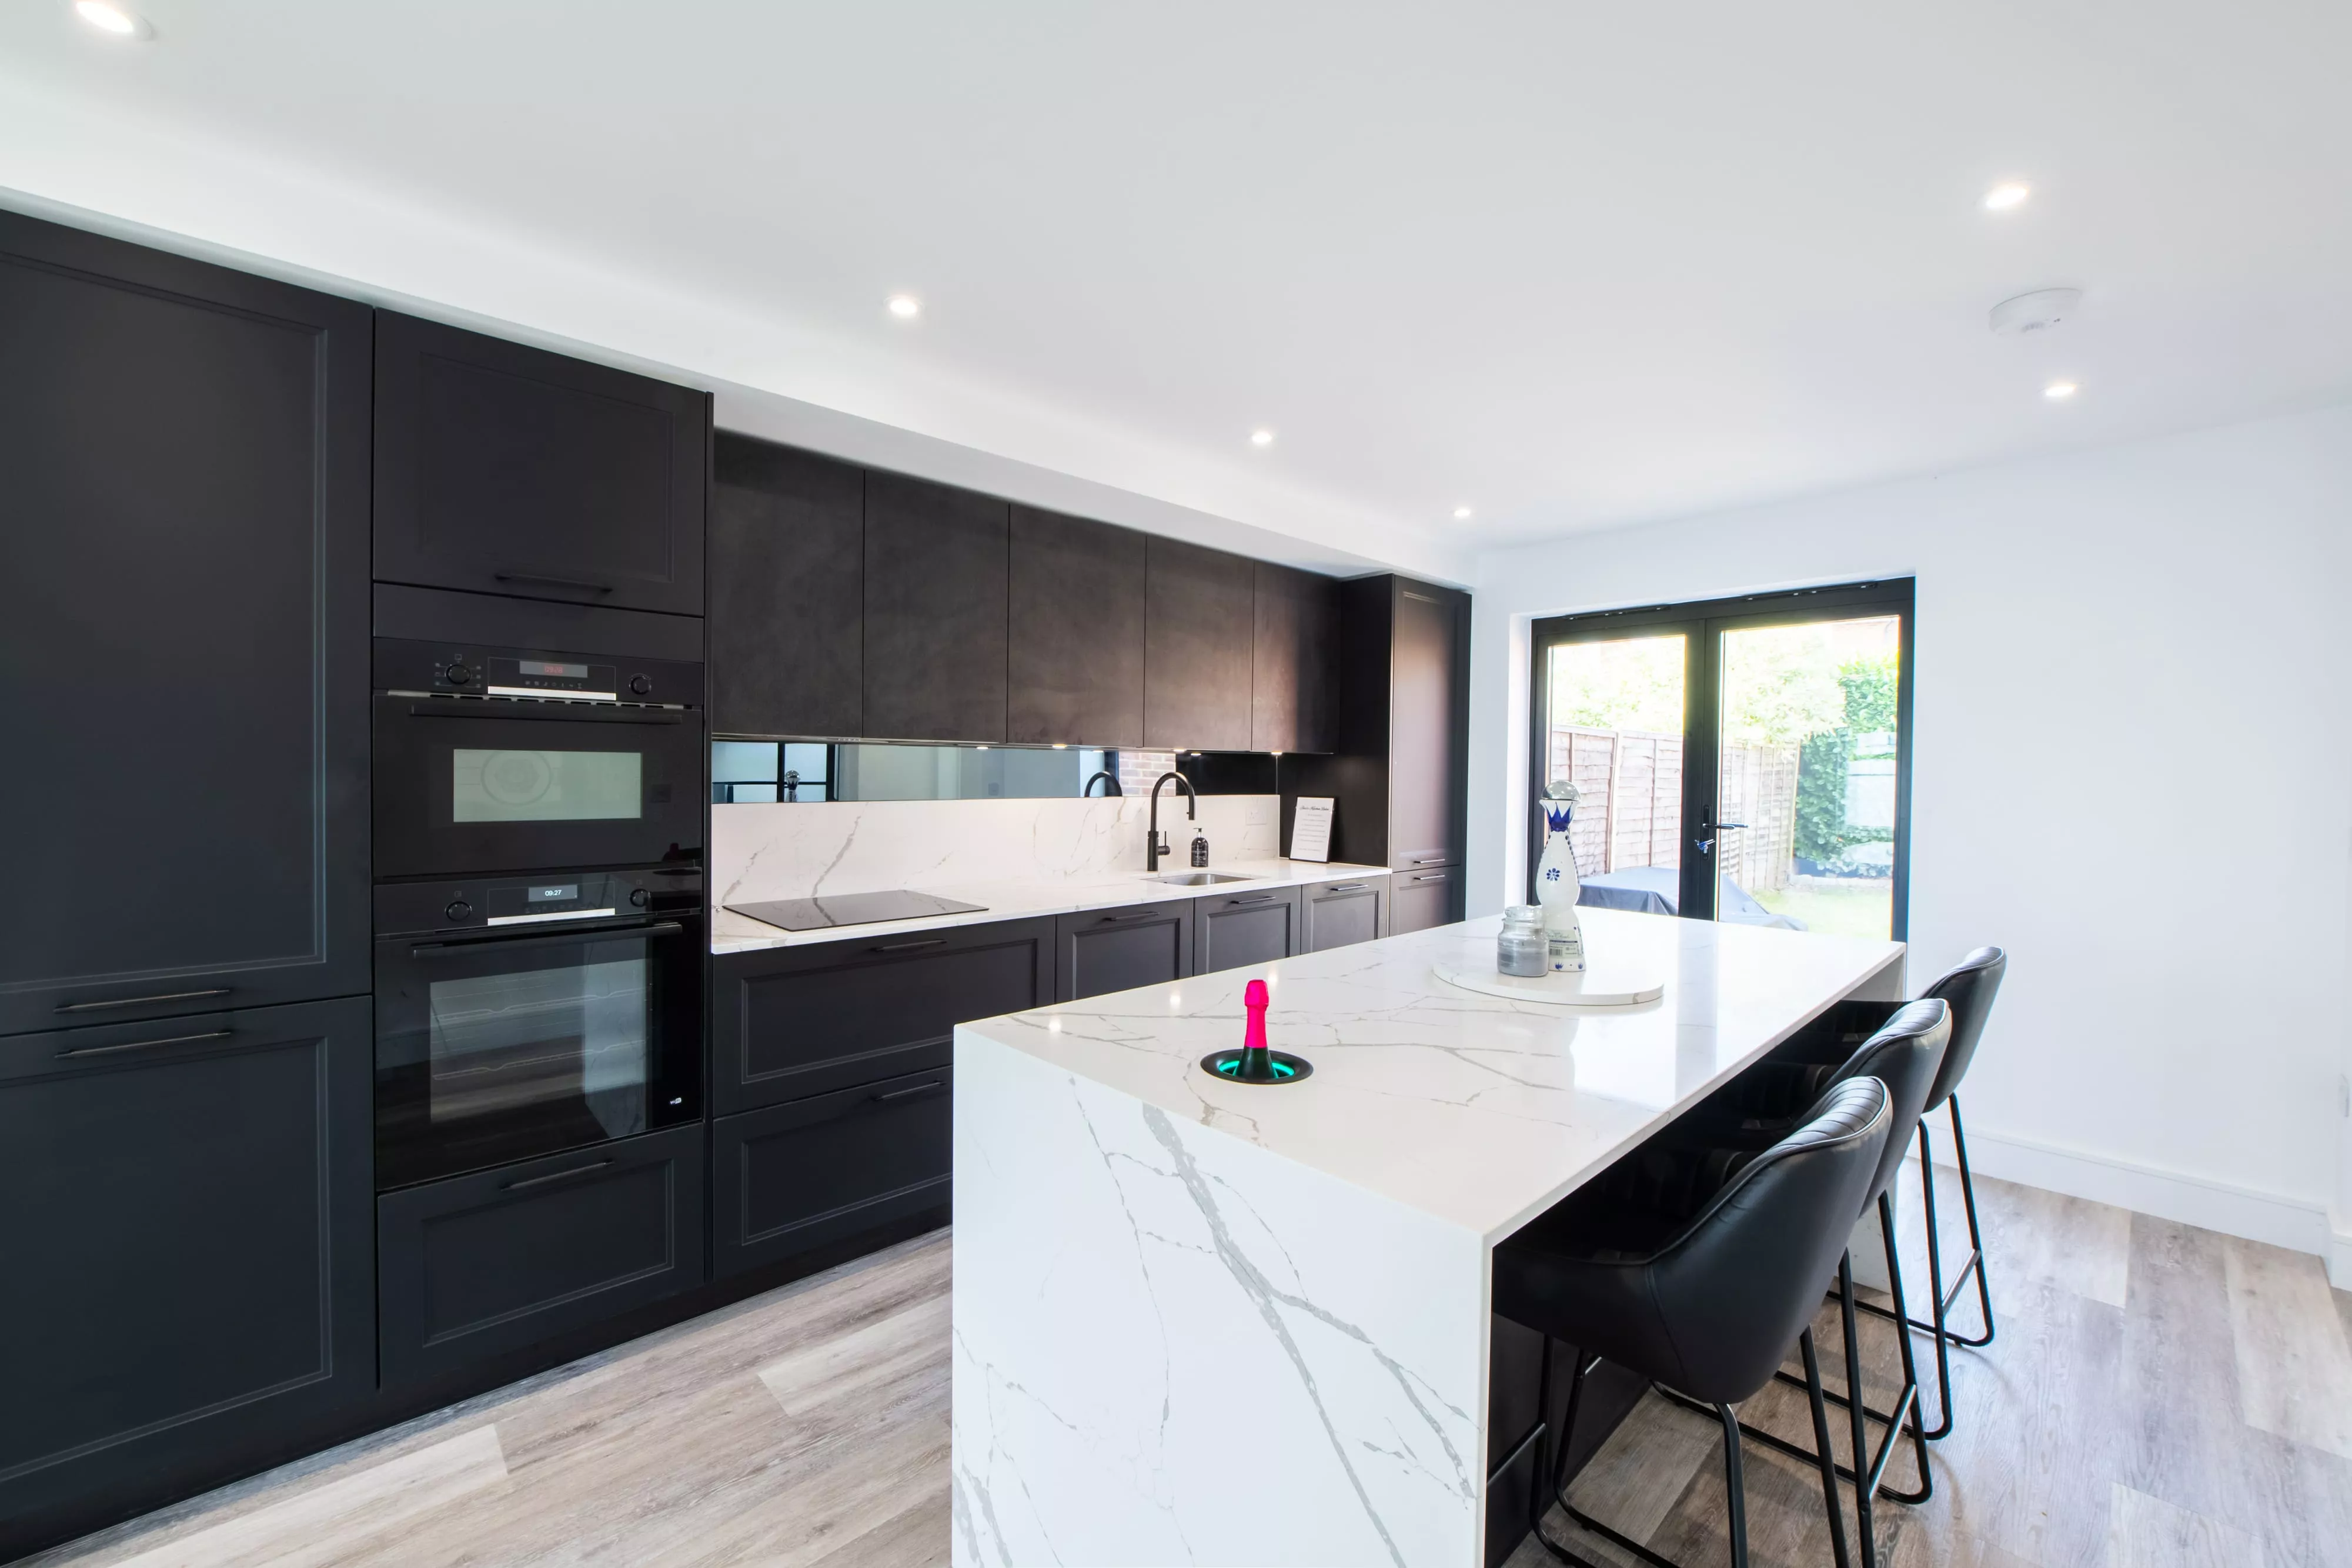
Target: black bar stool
1969, 988
1707, 1304
1904, 1056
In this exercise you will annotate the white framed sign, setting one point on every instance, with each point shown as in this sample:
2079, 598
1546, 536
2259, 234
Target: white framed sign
1310, 829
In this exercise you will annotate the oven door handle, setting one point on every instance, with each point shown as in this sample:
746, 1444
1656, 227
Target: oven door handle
574, 712
546, 939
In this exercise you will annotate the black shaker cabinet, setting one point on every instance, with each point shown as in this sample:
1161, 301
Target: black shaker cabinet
1295, 677
507, 470
1098, 951
798, 1175
791, 1022
494, 1261
1076, 654
1340, 913
935, 611
1200, 621
184, 618
186, 1209
1234, 929
787, 592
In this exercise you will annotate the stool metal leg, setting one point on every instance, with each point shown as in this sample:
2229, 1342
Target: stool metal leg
1821, 1446
1937, 1301
1976, 1238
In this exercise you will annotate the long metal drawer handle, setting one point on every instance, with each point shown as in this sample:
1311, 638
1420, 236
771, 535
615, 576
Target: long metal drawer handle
525, 712
552, 582
1251, 898
144, 1045
918, 1089
554, 1176
907, 946
1130, 914
1345, 887
1433, 876
578, 933
143, 1001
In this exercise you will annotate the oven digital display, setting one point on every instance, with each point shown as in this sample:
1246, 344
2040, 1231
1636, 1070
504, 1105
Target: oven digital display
552, 678
560, 672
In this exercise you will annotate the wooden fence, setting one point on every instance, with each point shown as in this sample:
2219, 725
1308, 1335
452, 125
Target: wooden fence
1631, 782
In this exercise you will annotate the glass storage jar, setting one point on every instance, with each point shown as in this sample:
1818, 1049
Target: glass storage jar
1521, 949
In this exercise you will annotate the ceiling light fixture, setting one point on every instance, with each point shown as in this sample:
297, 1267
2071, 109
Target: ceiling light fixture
111, 18
1261, 437
2006, 195
906, 307
2059, 391
1461, 513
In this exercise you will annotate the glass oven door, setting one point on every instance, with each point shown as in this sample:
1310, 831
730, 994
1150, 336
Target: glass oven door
494, 1048
468, 785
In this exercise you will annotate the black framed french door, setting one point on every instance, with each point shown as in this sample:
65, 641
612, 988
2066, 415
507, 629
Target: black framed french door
1745, 759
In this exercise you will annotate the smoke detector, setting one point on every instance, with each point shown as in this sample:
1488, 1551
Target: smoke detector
2035, 312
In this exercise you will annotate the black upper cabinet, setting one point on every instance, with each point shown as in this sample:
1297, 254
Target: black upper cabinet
1074, 659
506, 469
186, 1205
936, 592
1294, 685
787, 592
184, 618
1199, 624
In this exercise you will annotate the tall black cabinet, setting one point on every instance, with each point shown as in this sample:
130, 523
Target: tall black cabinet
1400, 775
184, 617
184, 1126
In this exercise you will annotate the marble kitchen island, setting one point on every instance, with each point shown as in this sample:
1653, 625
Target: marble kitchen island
1202, 1322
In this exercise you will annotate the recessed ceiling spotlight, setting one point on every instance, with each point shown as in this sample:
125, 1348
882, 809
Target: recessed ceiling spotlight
2059, 391
1261, 437
111, 18
906, 307
1461, 513
2008, 194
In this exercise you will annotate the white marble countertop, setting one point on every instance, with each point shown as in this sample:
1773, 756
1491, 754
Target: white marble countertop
1008, 900
1476, 1110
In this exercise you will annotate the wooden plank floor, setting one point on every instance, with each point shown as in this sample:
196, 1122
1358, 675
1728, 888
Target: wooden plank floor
2158, 1395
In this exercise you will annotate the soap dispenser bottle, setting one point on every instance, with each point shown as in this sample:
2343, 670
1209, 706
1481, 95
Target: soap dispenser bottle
1199, 846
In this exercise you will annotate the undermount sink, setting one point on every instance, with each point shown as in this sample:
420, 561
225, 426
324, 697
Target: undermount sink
1194, 878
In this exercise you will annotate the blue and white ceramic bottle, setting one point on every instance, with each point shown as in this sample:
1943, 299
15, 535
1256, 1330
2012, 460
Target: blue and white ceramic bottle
1556, 888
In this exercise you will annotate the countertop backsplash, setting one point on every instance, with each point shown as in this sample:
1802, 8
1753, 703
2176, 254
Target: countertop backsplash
801, 849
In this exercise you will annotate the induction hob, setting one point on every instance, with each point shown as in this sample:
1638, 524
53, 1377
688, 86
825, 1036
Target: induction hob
852, 909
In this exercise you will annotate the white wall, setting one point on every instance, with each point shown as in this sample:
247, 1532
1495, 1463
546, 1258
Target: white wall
2131, 771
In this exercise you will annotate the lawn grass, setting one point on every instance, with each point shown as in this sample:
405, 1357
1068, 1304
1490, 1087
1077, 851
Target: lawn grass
1865, 910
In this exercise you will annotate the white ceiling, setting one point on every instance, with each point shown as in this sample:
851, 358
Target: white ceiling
1573, 265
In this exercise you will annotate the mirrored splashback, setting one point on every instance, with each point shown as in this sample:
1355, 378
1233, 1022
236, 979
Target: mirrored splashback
749, 772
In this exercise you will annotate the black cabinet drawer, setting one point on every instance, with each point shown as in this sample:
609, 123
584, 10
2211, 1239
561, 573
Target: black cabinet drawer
1231, 930
793, 1022
495, 1261
1337, 913
1105, 950
800, 1175
506, 469
1421, 899
184, 1232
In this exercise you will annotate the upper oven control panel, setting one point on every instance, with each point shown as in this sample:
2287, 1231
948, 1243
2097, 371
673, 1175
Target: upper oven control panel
526, 905
448, 669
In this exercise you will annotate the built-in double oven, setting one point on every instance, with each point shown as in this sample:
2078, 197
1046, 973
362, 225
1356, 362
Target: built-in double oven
538, 902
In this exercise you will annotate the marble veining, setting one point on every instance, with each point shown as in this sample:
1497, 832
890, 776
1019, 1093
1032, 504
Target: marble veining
1479, 1110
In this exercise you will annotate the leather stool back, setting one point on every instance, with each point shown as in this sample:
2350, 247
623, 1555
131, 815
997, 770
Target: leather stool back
1969, 988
